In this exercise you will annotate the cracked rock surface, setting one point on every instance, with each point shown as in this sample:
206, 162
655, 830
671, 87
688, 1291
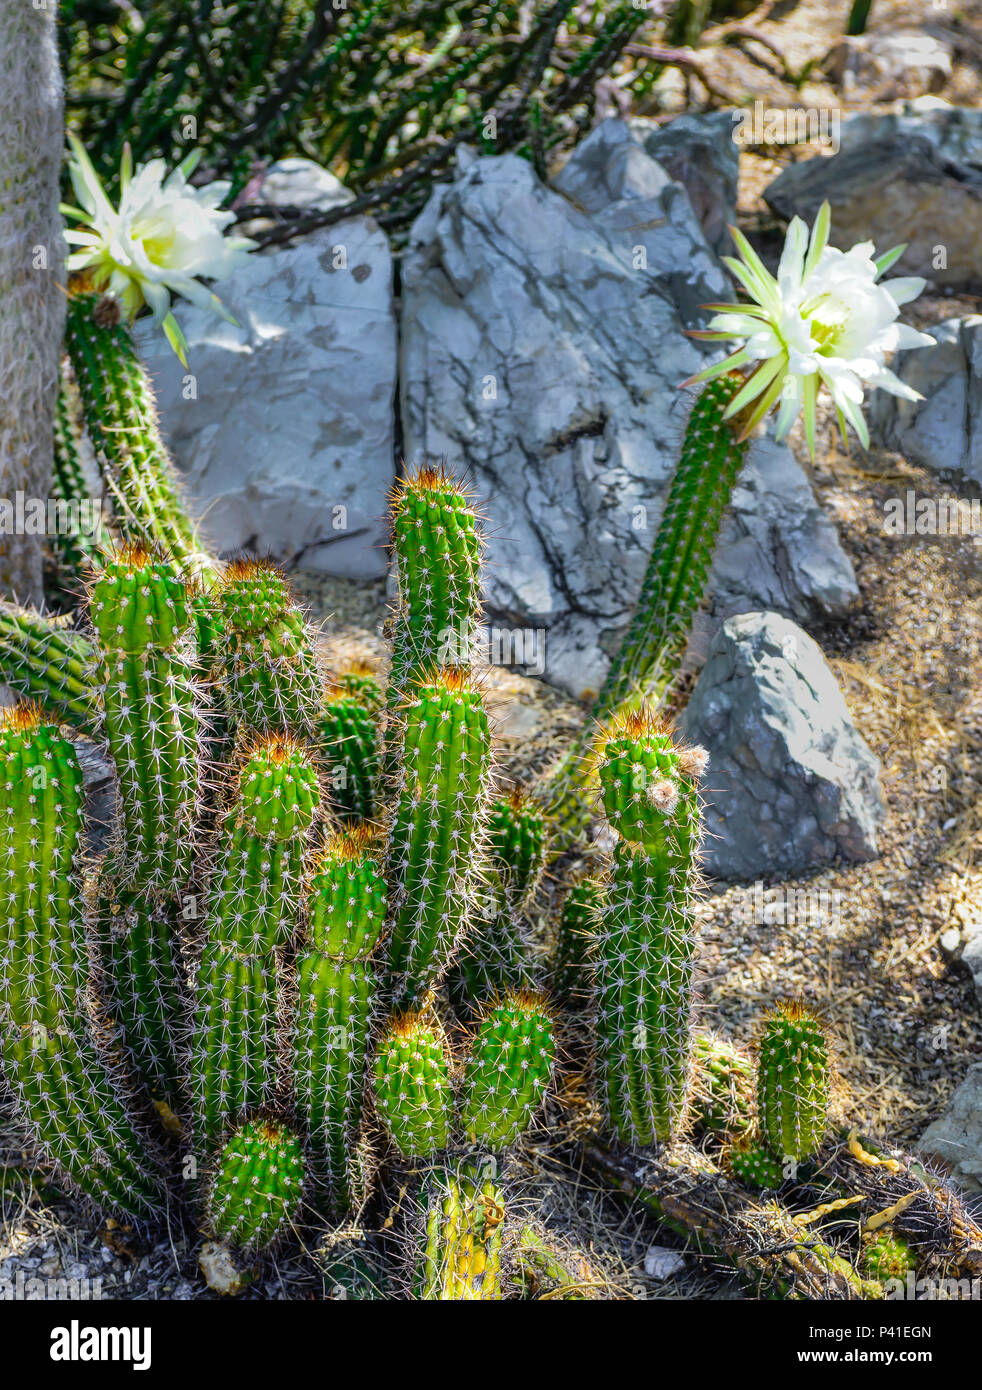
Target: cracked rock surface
791, 783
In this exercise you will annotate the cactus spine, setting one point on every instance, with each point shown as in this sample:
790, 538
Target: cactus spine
793, 1082
647, 661
645, 942
270, 669
65, 1091
140, 610
412, 1086
437, 829
507, 1071
437, 554
336, 995
253, 912
464, 1231
43, 659
349, 741
257, 1185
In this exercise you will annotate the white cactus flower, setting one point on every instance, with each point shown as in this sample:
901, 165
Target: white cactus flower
164, 235
825, 320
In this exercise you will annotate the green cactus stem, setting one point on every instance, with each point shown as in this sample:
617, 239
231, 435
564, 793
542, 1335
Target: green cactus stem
121, 418
66, 1092
886, 1255
645, 942
85, 534
461, 1254
45, 659
257, 1186
755, 1166
577, 927
793, 1082
437, 829
253, 911
139, 607
648, 659
722, 1096
507, 1071
271, 675
547, 1268
348, 738
336, 996
412, 1086
437, 548
498, 955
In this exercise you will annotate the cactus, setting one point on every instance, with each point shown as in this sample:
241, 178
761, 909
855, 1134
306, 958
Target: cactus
437, 829
139, 607
349, 741
793, 1082
257, 1185
270, 669
507, 1071
253, 912
66, 1091
78, 546
437, 556
647, 661
886, 1255
722, 1087
497, 957
461, 1253
412, 1086
755, 1166
577, 925
336, 994
645, 942
121, 418
44, 659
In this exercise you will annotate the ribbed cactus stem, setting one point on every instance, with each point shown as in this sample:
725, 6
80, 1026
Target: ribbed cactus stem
437, 549
461, 1254
412, 1086
257, 1186
140, 610
43, 659
65, 1092
576, 929
271, 675
437, 829
498, 955
649, 656
32, 259
507, 1071
84, 534
336, 995
755, 1166
348, 738
645, 942
793, 1082
121, 417
254, 910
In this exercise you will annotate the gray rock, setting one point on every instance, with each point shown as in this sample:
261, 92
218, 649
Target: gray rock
955, 131
900, 188
888, 64
943, 431
287, 440
791, 784
778, 551
957, 1136
301, 183
542, 347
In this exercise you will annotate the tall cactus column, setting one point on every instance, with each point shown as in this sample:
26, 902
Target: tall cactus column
140, 610
437, 830
645, 939
65, 1092
254, 910
336, 995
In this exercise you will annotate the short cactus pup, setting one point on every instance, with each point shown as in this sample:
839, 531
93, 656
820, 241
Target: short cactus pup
793, 1083
644, 944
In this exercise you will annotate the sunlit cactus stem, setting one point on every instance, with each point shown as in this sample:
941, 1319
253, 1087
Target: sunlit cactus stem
463, 1236
349, 739
644, 949
257, 1186
139, 607
271, 675
66, 1093
336, 996
412, 1086
793, 1082
507, 1071
437, 548
253, 912
45, 659
437, 829
648, 659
